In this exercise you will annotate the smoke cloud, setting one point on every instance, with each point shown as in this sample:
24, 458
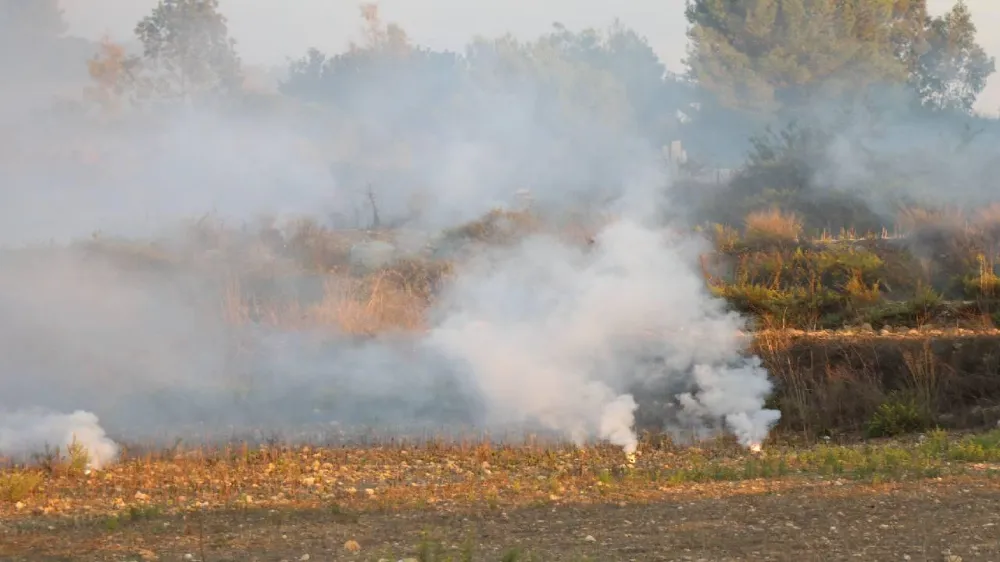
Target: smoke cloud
23, 432
121, 311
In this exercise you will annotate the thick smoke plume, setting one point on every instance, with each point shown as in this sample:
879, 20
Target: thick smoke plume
560, 335
115, 307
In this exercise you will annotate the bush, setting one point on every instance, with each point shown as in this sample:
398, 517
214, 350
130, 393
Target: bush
16, 486
897, 415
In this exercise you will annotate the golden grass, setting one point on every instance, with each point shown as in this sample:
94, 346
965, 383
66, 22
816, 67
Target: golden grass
773, 226
378, 303
497, 227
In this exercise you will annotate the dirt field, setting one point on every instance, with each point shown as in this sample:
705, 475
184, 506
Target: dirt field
925, 498
775, 520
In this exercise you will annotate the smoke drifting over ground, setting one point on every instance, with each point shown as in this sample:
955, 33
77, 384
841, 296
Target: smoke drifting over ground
139, 337
544, 335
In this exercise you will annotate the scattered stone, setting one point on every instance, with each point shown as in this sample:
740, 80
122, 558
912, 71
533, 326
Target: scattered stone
352, 546
590, 538
952, 558
304, 557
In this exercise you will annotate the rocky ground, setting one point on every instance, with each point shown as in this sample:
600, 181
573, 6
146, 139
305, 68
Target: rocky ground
929, 498
948, 519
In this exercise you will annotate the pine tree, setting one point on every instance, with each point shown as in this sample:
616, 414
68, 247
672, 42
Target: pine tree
768, 54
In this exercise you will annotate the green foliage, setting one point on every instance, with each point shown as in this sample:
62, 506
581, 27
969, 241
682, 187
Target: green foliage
16, 486
764, 55
187, 50
78, 459
770, 55
953, 69
899, 414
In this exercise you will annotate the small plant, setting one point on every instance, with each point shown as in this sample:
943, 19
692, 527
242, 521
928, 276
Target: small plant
725, 238
898, 415
342, 516
16, 486
977, 448
430, 550
512, 555
78, 459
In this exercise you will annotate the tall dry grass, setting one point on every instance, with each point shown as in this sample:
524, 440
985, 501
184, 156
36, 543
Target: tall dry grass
772, 226
369, 305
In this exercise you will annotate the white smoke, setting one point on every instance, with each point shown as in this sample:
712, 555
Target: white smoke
26, 432
556, 335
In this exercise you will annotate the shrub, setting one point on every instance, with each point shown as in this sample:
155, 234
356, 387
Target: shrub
897, 415
16, 486
724, 238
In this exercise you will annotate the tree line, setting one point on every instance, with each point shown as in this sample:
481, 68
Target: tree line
751, 64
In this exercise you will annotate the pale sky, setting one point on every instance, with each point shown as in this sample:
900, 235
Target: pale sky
268, 31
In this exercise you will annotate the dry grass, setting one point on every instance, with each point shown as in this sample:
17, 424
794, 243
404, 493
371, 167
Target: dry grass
773, 227
498, 226
988, 219
462, 475
377, 303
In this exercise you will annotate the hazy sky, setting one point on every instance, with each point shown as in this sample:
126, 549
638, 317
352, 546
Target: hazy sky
268, 31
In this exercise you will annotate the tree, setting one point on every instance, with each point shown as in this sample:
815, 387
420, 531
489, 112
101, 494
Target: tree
113, 75
385, 78
654, 96
952, 72
771, 55
764, 55
187, 50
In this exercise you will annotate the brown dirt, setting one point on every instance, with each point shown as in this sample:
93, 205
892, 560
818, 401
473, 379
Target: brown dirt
759, 520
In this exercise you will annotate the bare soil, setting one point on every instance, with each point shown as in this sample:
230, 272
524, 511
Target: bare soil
787, 519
